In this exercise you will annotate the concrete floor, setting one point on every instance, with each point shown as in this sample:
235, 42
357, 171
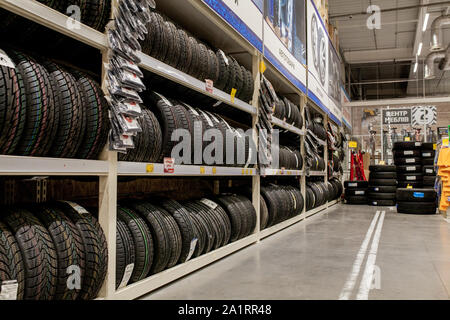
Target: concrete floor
315, 259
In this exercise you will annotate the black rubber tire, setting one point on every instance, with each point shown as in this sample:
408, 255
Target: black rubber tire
428, 161
429, 181
181, 216
407, 161
382, 175
411, 177
413, 184
264, 213
429, 171
97, 121
382, 168
69, 249
427, 146
382, 182
38, 253
407, 145
382, 203
174, 237
382, 189
42, 114
11, 261
95, 249
356, 200
416, 207
125, 254
416, 195
409, 169
381, 196
200, 234
355, 192
12, 109
143, 242
209, 228
407, 153
356, 184
159, 231
238, 224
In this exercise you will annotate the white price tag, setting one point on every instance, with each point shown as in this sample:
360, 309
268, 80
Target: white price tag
9, 290
410, 168
5, 60
429, 170
411, 178
209, 203
410, 160
377, 189
408, 153
359, 193
126, 275
426, 155
352, 184
192, 249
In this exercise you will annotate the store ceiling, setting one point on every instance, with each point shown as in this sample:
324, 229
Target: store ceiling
384, 59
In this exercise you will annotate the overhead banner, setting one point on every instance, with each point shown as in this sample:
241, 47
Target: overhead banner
396, 116
285, 38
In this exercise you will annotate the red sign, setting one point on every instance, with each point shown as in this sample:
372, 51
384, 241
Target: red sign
209, 86
169, 165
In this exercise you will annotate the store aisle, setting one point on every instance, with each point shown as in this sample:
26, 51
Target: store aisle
328, 256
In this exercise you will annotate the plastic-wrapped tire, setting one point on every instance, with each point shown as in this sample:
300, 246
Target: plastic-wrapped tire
429, 171
69, 249
407, 145
38, 253
416, 207
382, 168
408, 161
41, 115
382, 182
143, 242
416, 195
382, 203
12, 109
409, 169
11, 260
181, 216
411, 177
356, 184
97, 121
355, 192
407, 153
382, 189
356, 200
381, 196
125, 254
382, 175
95, 248
413, 184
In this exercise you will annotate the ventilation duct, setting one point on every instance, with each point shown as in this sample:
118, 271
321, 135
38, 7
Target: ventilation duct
436, 32
429, 63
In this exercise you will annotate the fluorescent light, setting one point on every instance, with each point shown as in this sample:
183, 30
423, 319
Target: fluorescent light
425, 22
415, 67
419, 50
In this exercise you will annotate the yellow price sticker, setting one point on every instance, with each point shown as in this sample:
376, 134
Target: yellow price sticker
262, 67
445, 142
352, 144
243, 171
214, 170
202, 170
382, 163
150, 168
407, 138
409, 187
434, 146
247, 172
233, 94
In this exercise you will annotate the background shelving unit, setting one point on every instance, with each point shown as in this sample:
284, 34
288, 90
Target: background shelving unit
108, 169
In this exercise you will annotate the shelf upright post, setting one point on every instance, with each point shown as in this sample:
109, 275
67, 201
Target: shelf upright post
325, 153
107, 210
256, 179
303, 102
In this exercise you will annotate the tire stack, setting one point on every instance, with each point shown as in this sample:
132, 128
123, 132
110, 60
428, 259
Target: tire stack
280, 203
319, 193
408, 159
416, 201
290, 159
429, 172
356, 192
54, 251
382, 186
156, 235
48, 111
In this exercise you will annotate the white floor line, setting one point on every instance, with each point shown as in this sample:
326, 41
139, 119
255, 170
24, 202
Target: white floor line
353, 276
366, 282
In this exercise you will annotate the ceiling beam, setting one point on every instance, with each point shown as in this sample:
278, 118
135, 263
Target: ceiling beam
380, 55
391, 102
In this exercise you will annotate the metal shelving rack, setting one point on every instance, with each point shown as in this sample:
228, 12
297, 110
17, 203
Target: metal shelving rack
108, 168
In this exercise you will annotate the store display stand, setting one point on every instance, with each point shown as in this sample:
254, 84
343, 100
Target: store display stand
108, 168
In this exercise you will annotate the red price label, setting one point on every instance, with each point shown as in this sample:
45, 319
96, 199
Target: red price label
209, 86
169, 165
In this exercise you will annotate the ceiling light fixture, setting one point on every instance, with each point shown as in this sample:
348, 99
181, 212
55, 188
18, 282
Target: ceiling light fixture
425, 22
419, 50
415, 67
